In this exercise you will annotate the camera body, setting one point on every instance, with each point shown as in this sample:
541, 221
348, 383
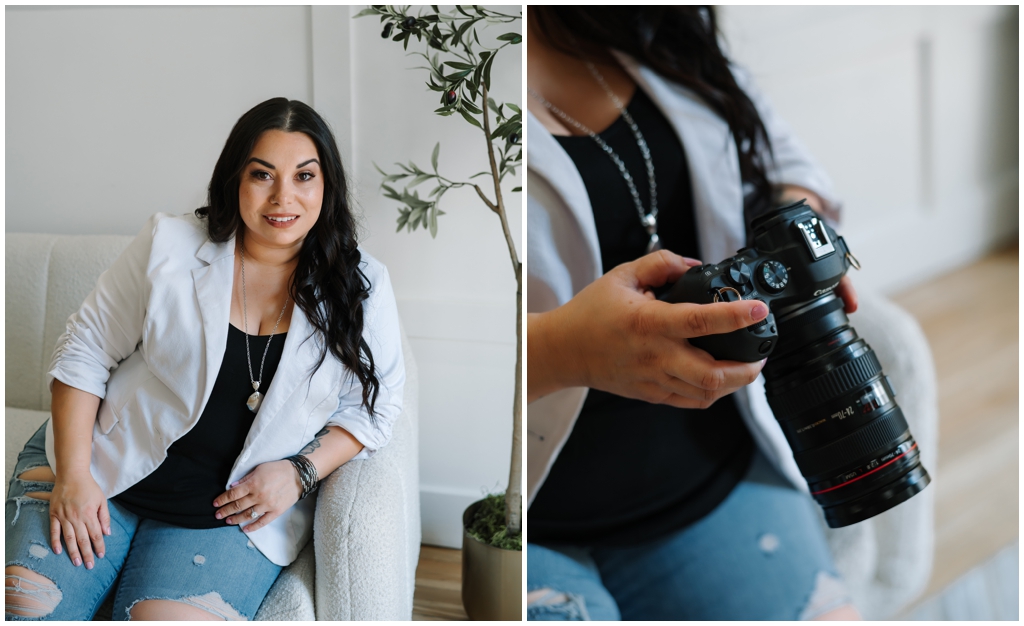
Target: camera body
796, 257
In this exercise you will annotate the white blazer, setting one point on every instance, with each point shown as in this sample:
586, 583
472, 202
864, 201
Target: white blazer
149, 341
563, 254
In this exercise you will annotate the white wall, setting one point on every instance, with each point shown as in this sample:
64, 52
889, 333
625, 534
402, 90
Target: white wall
115, 113
912, 110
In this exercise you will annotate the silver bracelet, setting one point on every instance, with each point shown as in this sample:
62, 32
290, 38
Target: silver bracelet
307, 474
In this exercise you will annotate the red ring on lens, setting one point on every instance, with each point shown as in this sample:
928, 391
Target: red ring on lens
880, 467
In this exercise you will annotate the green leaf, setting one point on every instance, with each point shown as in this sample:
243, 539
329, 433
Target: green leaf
433, 157
487, 72
513, 37
472, 108
433, 221
419, 179
365, 12
514, 108
457, 76
460, 66
469, 118
515, 189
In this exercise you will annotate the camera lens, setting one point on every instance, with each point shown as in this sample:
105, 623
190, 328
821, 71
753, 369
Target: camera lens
839, 413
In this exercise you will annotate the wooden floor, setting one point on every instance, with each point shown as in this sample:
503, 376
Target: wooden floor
438, 585
971, 319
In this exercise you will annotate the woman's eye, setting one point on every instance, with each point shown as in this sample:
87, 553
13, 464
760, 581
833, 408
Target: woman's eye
260, 175
306, 176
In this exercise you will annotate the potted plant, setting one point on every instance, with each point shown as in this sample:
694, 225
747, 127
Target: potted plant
459, 68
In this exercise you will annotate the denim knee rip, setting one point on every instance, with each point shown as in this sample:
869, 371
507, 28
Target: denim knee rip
209, 602
829, 594
32, 600
559, 605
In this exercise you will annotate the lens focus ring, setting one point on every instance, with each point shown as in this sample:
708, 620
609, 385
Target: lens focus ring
839, 381
853, 447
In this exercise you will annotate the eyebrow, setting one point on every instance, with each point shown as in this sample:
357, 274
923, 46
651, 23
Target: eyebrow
268, 165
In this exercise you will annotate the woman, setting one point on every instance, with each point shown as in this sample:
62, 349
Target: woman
666, 491
225, 363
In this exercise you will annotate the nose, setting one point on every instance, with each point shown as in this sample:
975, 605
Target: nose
283, 193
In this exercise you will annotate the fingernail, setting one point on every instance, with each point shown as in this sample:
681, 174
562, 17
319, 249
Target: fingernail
100, 554
216, 503
78, 561
219, 516
234, 484
763, 361
57, 551
692, 261
88, 566
107, 530
759, 312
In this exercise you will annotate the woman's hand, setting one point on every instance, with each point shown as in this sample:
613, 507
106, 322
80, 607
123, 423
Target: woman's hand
614, 335
78, 511
270, 489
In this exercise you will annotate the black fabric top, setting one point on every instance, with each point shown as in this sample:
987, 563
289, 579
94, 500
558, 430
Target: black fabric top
632, 471
182, 490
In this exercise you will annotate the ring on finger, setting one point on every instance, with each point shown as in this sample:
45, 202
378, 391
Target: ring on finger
253, 514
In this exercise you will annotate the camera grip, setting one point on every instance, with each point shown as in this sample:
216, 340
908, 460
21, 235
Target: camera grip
747, 345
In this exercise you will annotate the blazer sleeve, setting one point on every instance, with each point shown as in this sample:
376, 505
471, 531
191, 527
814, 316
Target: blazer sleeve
108, 327
381, 333
793, 163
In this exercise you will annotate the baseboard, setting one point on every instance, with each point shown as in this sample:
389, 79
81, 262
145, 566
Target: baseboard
441, 514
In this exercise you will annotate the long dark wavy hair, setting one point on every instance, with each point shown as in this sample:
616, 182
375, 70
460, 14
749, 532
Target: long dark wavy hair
681, 44
328, 285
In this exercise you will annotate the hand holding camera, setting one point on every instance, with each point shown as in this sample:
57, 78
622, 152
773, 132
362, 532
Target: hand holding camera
614, 335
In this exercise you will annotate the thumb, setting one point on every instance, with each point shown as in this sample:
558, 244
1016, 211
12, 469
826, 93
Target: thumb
658, 268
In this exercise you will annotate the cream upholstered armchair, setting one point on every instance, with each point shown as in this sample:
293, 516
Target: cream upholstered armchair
361, 563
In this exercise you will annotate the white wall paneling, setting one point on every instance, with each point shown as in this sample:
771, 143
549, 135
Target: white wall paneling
114, 113
912, 110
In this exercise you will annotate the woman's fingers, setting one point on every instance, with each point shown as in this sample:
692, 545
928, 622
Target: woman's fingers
658, 268
701, 370
233, 509
55, 534
104, 519
260, 522
686, 321
84, 544
71, 541
848, 294
95, 535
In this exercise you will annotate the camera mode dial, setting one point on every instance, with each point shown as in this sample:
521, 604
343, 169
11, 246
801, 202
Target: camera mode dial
774, 276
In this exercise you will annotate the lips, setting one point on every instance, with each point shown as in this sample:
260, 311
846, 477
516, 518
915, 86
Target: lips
280, 220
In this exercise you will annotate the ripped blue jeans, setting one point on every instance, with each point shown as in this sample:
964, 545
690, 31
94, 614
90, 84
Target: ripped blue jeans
218, 570
760, 555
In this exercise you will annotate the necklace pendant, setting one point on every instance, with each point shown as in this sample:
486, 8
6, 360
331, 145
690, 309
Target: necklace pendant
254, 401
650, 222
654, 244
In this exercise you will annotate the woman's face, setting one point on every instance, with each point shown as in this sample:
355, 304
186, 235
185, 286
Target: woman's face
281, 190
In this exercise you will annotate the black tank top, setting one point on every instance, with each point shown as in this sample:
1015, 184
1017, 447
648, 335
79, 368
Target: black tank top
182, 489
632, 471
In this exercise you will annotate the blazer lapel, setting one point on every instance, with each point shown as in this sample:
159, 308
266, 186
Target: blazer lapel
213, 284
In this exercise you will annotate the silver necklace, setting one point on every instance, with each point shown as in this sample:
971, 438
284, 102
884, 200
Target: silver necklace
256, 399
649, 220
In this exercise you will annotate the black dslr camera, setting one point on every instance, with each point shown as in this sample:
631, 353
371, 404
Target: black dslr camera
823, 382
